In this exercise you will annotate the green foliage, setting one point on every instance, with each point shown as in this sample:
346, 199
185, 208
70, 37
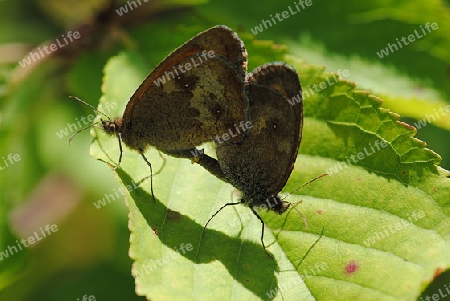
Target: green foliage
384, 214
401, 226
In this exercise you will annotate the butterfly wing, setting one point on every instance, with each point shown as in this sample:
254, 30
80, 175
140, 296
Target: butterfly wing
284, 79
261, 165
194, 94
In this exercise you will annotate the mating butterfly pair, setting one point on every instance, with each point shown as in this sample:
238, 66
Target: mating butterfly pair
201, 90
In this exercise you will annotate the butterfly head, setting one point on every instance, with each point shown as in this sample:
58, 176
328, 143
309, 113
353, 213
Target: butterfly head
113, 126
273, 203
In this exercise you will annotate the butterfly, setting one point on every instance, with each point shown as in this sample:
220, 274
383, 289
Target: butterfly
195, 93
261, 164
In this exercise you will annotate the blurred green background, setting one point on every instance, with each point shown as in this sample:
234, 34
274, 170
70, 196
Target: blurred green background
54, 183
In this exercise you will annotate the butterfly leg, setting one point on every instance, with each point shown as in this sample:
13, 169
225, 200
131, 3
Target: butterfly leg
220, 209
151, 175
262, 231
199, 157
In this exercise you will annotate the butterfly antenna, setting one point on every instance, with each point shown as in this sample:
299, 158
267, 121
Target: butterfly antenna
74, 134
307, 183
295, 205
89, 105
301, 214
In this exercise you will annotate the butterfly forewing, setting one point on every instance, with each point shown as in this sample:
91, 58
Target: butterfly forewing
193, 95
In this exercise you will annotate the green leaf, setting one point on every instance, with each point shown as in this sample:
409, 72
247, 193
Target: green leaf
409, 97
383, 209
353, 29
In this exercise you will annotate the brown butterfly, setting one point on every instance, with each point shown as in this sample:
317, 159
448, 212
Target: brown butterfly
191, 105
261, 164
195, 93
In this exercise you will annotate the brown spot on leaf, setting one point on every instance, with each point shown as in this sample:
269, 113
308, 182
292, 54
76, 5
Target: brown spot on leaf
351, 267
